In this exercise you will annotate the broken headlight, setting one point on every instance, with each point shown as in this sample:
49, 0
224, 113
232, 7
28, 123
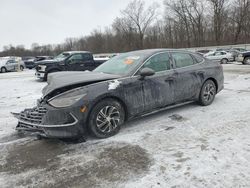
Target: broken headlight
65, 99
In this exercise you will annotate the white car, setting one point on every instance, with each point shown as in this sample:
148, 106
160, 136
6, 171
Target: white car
10, 64
220, 56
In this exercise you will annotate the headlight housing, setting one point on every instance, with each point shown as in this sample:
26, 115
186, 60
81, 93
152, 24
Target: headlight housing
66, 99
42, 68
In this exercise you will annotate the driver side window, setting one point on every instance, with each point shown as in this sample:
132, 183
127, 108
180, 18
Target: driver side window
75, 58
158, 63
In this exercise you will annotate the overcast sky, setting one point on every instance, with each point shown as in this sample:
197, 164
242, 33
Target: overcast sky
51, 21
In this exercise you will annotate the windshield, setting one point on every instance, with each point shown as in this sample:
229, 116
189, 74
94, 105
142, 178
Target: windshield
62, 56
122, 64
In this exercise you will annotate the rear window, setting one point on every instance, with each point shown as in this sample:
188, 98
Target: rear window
198, 58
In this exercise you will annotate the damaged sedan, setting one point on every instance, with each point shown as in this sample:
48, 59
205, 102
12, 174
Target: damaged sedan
126, 86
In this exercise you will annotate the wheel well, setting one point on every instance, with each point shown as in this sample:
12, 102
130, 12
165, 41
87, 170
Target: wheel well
215, 82
114, 98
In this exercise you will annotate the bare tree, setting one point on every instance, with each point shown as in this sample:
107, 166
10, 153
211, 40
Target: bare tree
239, 16
140, 17
219, 14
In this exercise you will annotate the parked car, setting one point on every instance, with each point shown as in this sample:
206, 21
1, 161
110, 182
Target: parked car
30, 63
220, 56
124, 87
203, 51
244, 58
11, 64
234, 51
67, 61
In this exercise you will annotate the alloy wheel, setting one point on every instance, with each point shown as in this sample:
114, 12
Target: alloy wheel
108, 119
209, 92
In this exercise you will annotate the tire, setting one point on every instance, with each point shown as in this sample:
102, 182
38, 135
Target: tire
106, 118
207, 93
21, 68
224, 61
3, 70
246, 61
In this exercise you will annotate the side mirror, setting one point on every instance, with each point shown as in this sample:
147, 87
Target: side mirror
146, 72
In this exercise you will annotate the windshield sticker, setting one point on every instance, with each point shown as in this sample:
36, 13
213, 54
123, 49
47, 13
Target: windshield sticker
129, 61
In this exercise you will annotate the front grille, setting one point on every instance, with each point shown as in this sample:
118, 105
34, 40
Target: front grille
33, 116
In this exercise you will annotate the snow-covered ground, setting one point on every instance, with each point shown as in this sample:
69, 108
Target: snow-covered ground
188, 146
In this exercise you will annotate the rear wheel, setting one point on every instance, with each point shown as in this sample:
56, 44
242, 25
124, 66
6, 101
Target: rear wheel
21, 68
3, 70
207, 93
246, 61
106, 118
224, 61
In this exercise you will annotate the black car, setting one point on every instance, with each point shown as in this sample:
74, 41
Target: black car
67, 61
124, 87
30, 62
244, 58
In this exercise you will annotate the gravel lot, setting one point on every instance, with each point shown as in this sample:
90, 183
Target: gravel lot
187, 146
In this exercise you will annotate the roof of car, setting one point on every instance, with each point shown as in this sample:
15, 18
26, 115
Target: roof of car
152, 51
74, 52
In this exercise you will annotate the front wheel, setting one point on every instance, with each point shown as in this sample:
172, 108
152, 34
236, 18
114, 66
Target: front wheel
224, 61
21, 68
3, 70
246, 61
207, 93
106, 118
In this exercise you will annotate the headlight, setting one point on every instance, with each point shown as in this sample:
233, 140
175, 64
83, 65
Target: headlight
66, 99
42, 67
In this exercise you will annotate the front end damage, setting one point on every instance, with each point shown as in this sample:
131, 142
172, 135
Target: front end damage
46, 121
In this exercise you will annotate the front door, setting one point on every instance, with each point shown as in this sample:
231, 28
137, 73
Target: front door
10, 65
76, 63
158, 89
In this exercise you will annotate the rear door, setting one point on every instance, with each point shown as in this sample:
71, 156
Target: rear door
188, 78
158, 90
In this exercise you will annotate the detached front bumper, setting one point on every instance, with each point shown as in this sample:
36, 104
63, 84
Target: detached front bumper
240, 59
40, 75
36, 120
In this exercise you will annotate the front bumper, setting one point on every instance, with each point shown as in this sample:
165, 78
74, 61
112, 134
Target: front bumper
40, 75
47, 123
240, 59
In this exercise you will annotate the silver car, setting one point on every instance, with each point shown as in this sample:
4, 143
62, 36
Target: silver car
220, 56
11, 64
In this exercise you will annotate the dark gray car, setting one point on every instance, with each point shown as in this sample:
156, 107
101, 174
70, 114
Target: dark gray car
122, 88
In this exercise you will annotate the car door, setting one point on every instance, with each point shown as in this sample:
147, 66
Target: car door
10, 65
75, 62
158, 90
89, 63
188, 77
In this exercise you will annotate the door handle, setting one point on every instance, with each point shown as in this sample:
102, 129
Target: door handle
169, 79
201, 73
82, 65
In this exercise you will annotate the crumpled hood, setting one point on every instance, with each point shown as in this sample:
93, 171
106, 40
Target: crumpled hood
70, 78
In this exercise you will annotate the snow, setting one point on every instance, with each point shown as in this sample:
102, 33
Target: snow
114, 84
187, 146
